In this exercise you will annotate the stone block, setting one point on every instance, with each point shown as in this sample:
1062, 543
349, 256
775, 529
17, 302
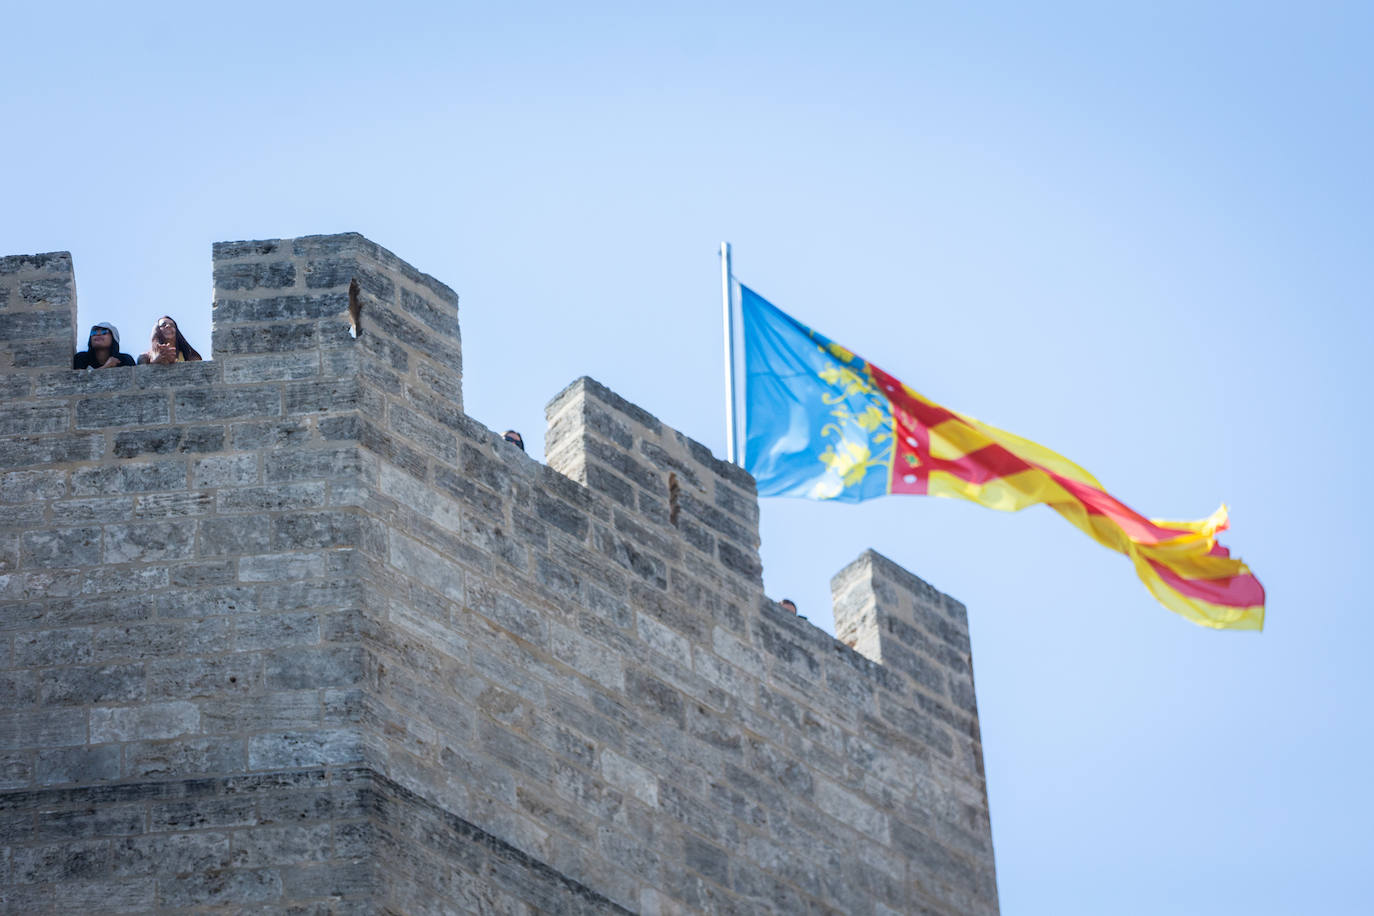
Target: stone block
353, 881
169, 854
254, 274
173, 505
27, 326
76, 765
85, 822
295, 337
588, 657
201, 813
40, 354
508, 612
424, 565
224, 471
276, 711
178, 375
94, 509
147, 722
440, 315
18, 688
851, 810
148, 541
123, 410
270, 367
294, 596
60, 863
272, 435
278, 567
312, 464
37, 648
180, 759
61, 547
630, 777
210, 572
232, 535
280, 308
315, 530
132, 477
153, 640
272, 498
276, 631
109, 895
189, 678
27, 486
168, 440
233, 888
64, 381
33, 419
207, 602
302, 749
258, 847
90, 684
27, 452
228, 251
227, 403
322, 396
332, 666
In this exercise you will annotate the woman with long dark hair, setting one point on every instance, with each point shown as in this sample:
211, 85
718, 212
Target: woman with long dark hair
168, 346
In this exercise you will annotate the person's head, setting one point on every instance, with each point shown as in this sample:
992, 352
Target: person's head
788, 605
104, 338
514, 439
165, 331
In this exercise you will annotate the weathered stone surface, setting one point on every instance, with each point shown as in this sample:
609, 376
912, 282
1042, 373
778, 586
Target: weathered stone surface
170, 854
190, 757
42, 728
303, 749
50, 450
123, 410
77, 765
168, 440
148, 541
89, 684
288, 632
131, 477
62, 547
247, 275
35, 325
224, 471
226, 404
29, 419
138, 723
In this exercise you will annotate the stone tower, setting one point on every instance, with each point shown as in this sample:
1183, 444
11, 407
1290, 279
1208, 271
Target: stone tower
286, 631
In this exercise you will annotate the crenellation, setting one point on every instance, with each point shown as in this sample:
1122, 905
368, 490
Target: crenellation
37, 316
340, 646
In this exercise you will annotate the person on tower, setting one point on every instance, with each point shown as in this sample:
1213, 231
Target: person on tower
102, 349
168, 346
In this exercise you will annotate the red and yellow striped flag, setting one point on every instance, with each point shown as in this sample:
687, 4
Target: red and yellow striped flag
823, 423
943, 453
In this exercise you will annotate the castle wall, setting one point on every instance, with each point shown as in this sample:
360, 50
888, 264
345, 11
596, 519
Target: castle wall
380, 660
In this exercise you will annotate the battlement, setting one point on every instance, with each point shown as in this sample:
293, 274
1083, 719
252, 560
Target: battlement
288, 628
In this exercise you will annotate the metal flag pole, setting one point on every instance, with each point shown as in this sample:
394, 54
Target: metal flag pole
731, 449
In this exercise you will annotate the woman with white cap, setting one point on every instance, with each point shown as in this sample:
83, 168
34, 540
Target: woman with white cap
102, 349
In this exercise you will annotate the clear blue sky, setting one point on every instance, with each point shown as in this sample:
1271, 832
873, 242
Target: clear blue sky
1137, 233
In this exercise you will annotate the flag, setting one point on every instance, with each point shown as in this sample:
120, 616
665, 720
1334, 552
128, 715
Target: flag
820, 422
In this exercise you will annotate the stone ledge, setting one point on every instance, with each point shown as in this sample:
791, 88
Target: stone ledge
387, 841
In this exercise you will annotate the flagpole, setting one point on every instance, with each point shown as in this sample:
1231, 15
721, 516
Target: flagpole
731, 449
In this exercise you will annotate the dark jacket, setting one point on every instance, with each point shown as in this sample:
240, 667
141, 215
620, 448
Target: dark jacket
83, 360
